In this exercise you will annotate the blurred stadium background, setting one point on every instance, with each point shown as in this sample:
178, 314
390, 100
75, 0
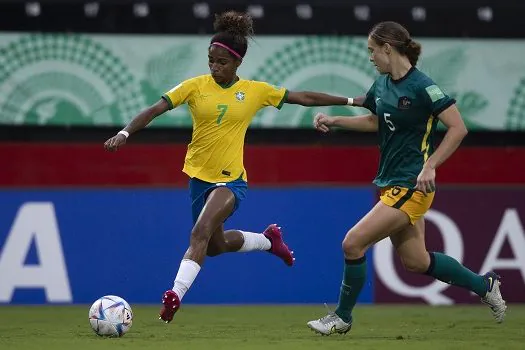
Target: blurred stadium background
77, 222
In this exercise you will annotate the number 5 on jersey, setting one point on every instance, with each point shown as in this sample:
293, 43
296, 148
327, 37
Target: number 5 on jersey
222, 111
388, 122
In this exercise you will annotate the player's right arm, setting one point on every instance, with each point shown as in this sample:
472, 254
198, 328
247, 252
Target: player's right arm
137, 123
365, 123
180, 94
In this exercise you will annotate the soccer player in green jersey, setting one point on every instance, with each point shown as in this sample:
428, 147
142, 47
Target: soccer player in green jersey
405, 107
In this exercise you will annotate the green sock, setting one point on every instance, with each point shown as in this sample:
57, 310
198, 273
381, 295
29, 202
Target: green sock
353, 280
449, 270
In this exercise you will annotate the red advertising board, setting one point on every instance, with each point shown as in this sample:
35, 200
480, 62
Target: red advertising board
87, 164
481, 227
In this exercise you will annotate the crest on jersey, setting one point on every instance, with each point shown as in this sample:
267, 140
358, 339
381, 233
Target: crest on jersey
239, 95
404, 103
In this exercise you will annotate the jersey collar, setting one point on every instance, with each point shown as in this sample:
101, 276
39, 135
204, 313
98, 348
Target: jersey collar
403, 77
230, 84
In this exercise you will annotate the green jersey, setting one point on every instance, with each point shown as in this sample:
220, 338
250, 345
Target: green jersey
407, 111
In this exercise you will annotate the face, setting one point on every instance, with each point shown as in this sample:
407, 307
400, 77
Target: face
380, 55
223, 66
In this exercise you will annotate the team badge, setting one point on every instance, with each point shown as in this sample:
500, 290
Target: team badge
239, 95
404, 103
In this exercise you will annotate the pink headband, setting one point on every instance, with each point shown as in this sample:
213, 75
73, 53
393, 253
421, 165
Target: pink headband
232, 51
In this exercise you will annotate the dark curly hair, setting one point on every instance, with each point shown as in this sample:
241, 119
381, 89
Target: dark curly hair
233, 29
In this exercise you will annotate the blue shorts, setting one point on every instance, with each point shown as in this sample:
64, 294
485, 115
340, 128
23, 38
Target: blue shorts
199, 191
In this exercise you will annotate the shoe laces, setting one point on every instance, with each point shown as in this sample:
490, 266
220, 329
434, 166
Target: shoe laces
330, 318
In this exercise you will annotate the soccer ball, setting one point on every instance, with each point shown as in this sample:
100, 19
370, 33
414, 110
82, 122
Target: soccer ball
110, 316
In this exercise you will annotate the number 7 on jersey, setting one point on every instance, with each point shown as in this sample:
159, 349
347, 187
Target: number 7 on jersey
222, 109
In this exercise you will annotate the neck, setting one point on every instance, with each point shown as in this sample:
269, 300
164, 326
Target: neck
230, 83
400, 68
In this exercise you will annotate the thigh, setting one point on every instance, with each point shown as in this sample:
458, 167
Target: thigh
218, 207
409, 244
413, 203
377, 224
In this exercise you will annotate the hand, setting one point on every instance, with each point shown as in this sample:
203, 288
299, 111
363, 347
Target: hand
322, 122
114, 143
426, 180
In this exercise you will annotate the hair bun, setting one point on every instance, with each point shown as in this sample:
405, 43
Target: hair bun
235, 23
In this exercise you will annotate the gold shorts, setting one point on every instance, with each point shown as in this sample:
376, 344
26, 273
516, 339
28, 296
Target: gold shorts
414, 203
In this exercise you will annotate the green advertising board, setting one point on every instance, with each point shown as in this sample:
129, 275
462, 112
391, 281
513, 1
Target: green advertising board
101, 80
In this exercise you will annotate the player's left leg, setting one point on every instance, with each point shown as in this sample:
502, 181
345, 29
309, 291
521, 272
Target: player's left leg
271, 240
409, 244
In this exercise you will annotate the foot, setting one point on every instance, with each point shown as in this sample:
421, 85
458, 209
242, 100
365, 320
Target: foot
279, 248
330, 324
493, 297
171, 304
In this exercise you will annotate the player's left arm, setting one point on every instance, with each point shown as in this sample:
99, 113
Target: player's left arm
456, 131
310, 99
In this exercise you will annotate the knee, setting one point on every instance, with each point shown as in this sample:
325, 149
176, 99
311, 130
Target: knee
415, 265
214, 250
200, 234
352, 247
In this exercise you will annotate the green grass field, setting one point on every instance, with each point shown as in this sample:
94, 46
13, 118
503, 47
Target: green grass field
260, 327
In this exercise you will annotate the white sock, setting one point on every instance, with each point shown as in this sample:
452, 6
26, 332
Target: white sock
187, 273
254, 241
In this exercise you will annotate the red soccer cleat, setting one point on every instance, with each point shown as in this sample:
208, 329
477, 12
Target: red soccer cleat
279, 248
171, 304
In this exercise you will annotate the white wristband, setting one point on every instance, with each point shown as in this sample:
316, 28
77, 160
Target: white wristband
124, 132
350, 101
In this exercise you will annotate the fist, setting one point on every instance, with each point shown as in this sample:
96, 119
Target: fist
322, 122
115, 142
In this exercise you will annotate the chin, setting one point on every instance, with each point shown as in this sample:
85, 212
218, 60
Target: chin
218, 80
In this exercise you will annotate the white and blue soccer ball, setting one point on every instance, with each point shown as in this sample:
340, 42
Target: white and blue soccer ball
110, 316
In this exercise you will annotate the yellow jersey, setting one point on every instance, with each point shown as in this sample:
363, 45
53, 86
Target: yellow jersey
221, 116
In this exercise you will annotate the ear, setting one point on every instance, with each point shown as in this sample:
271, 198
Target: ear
238, 63
387, 48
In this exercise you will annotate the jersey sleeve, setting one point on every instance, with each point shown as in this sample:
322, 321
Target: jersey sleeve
370, 99
436, 99
272, 95
180, 94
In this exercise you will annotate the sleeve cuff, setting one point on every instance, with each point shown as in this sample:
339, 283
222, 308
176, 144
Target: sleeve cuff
285, 97
167, 99
438, 111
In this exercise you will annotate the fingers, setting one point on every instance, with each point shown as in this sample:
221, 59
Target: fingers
431, 186
425, 186
323, 128
114, 143
320, 122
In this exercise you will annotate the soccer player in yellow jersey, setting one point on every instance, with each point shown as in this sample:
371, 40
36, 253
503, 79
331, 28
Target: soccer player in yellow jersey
222, 106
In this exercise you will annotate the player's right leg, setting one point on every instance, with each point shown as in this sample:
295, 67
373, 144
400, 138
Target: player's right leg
379, 223
219, 205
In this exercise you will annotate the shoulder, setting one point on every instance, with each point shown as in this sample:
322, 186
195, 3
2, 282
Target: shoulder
199, 80
264, 87
421, 80
261, 84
